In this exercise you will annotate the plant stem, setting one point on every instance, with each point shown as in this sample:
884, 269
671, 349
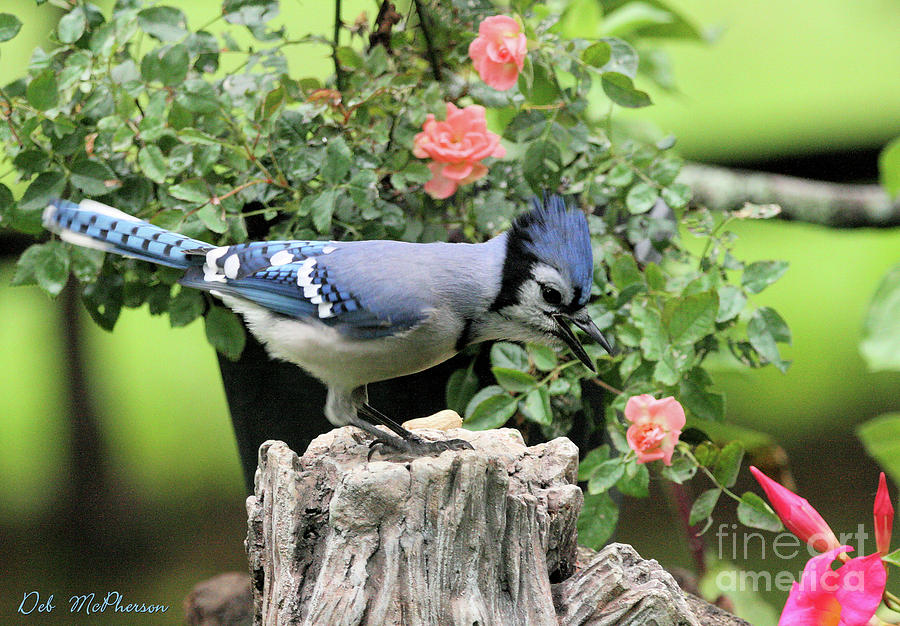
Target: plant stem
429, 44
607, 386
338, 71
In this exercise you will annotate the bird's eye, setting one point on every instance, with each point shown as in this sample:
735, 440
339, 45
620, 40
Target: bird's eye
551, 295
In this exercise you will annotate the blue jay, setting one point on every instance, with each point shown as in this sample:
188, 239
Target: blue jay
352, 313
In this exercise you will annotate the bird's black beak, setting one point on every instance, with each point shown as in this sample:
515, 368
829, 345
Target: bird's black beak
586, 324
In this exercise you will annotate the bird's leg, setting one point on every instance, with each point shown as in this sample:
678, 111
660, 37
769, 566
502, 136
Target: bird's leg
407, 441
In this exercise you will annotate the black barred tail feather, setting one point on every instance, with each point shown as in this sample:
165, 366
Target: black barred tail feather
97, 225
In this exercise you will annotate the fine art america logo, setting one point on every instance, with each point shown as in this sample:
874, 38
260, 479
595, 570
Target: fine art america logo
735, 545
86, 604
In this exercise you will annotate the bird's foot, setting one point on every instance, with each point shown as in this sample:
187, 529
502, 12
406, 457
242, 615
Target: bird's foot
415, 446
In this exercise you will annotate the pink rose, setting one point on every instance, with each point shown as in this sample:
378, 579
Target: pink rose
655, 427
456, 147
499, 51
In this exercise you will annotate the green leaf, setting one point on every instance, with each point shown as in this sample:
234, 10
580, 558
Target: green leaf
42, 92
766, 328
198, 96
187, 306
893, 558
509, 355
706, 453
338, 159
673, 361
45, 264
94, 178
690, 318
632, 16
597, 54
542, 166
888, 167
191, 190
163, 22
543, 357
881, 437
544, 88
681, 470
249, 12
625, 272
348, 57
85, 263
636, 481
513, 380
7, 201
480, 396
322, 210
103, 299
597, 521
536, 406
46, 187
641, 198
755, 513
677, 195
492, 412
653, 340
211, 217
72, 25
461, 387
591, 461
620, 175
731, 302
704, 505
225, 332
618, 438
605, 475
172, 66
728, 465
9, 26
180, 158
624, 57
153, 163
621, 90
701, 403
880, 345
759, 275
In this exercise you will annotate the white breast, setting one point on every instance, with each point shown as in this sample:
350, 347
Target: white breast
344, 362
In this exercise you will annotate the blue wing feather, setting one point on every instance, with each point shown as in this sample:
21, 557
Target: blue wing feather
300, 279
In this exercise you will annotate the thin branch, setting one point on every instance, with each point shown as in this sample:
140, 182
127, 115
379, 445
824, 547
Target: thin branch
338, 71
429, 43
829, 204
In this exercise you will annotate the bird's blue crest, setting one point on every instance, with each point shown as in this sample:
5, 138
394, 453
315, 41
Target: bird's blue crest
558, 236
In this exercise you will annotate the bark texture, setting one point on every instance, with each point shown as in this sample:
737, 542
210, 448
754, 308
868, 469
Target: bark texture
469, 537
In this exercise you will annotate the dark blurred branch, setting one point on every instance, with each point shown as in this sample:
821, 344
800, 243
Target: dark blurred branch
90, 494
680, 502
829, 204
384, 23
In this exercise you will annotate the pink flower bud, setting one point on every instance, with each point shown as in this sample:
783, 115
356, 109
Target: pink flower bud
655, 427
498, 52
884, 516
797, 514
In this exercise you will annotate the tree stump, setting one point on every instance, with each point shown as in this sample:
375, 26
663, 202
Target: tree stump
468, 537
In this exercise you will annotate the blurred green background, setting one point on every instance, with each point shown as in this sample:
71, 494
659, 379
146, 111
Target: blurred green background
810, 82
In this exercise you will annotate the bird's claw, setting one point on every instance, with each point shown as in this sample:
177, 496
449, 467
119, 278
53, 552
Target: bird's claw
416, 446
